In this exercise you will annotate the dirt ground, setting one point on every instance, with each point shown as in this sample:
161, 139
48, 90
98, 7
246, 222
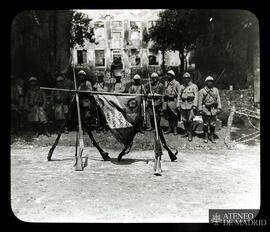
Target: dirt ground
203, 177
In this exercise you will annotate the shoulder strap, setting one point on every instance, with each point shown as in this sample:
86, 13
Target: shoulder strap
208, 93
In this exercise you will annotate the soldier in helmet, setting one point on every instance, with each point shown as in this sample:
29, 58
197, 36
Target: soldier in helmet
187, 103
119, 87
35, 103
209, 107
138, 87
83, 83
60, 103
170, 97
157, 88
100, 85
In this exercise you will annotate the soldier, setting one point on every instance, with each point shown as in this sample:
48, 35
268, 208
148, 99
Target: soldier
209, 107
17, 98
170, 97
187, 103
100, 86
83, 83
119, 87
60, 103
157, 88
138, 87
35, 103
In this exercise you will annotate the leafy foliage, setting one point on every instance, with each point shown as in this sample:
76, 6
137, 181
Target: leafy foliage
80, 29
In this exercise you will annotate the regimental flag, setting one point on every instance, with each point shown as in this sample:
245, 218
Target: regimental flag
122, 114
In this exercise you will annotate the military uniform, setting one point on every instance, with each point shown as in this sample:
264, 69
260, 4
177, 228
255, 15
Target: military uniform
157, 88
100, 87
35, 102
170, 97
209, 107
61, 101
119, 87
187, 100
17, 97
138, 88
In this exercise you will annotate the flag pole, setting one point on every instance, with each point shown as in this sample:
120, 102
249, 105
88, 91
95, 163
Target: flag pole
79, 162
100, 93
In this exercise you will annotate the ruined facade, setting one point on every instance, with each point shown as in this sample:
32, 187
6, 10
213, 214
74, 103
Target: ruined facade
120, 49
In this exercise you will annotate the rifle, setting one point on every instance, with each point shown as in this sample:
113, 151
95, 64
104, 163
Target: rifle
60, 133
79, 166
144, 111
157, 144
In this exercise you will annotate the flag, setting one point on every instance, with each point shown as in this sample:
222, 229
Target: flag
122, 114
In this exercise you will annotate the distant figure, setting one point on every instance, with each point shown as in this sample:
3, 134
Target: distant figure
100, 85
170, 97
137, 86
119, 87
60, 103
35, 102
17, 104
187, 103
157, 88
83, 83
209, 107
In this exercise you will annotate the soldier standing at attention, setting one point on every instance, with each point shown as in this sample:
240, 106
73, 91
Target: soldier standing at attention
100, 86
187, 103
60, 103
170, 97
138, 87
35, 102
209, 107
157, 88
119, 87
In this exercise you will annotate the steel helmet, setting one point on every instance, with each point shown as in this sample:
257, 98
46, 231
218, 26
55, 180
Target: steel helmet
137, 77
32, 79
81, 72
171, 72
209, 78
59, 78
186, 75
154, 75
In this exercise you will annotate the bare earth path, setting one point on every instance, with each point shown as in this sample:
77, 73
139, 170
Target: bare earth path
128, 191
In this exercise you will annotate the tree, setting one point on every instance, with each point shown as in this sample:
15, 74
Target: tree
230, 46
41, 42
176, 30
81, 30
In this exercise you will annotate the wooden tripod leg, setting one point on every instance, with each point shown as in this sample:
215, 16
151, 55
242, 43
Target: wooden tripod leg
49, 157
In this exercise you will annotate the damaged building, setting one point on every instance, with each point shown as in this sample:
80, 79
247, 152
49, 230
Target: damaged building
119, 48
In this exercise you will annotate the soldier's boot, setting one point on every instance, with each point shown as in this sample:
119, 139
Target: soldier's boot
190, 131
169, 130
212, 132
205, 131
36, 128
186, 129
45, 129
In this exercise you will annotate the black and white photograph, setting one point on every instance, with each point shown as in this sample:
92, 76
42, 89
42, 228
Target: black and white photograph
135, 116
